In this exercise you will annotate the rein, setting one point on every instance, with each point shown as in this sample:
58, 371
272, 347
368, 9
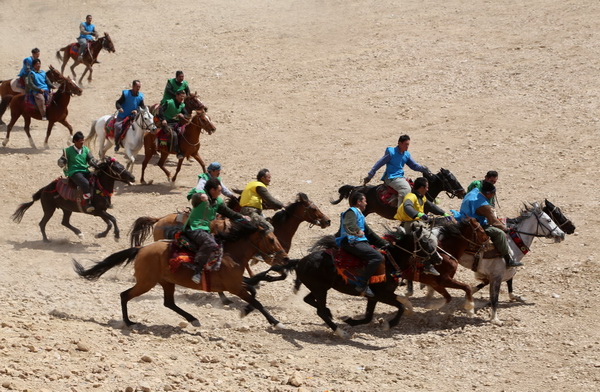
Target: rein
270, 256
312, 222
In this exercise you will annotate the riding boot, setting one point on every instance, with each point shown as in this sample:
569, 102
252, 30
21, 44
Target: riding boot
117, 139
88, 201
177, 148
510, 262
363, 289
429, 269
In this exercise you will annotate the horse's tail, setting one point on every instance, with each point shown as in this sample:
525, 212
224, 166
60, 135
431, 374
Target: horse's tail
59, 57
141, 230
282, 269
98, 269
344, 191
18, 214
91, 137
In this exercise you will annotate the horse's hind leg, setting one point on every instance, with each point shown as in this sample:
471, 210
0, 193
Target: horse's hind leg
66, 124
513, 297
27, 127
224, 299
135, 291
110, 221
494, 294
320, 302
253, 302
66, 222
3, 105
371, 303
48, 131
169, 302
389, 298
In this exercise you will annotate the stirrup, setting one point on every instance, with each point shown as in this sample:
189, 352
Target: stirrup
197, 278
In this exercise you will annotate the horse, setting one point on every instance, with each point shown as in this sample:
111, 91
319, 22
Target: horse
444, 180
285, 224
318, 273
151, 266
56, 111
108, 171
90, 56
533, 222
189, 143
133, 140
7, 92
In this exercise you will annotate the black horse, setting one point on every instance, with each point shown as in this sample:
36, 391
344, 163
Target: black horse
107, 173
442, 181
318, 273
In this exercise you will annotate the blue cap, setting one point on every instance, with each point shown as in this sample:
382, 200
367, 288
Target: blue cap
214, 166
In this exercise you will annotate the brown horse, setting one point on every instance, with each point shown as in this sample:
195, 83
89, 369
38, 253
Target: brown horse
151, 266
189, 143
55, 112
90, 56
7, 93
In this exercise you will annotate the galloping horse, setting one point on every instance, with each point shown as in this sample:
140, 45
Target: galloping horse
55, 112
442, 181
133, 140
532, 223
318, 273
151, 266
189, 143
90, 56
7, 92
107, 173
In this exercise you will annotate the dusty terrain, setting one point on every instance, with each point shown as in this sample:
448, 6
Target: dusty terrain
315, 91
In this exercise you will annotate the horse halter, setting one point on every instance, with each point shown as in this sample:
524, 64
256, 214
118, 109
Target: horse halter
555, 219
539, 224
112, 173
309, 215
146, 125
447, 187
418, 248
270, 256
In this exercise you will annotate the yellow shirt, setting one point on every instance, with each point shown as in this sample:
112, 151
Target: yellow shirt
420, 207
251, 198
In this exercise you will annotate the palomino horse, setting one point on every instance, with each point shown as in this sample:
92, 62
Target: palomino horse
90, 56
318, 273
102, 182
189, 143
55, 112
7, 92
133, 140
151, 266
532, 223
285, 224
442, 181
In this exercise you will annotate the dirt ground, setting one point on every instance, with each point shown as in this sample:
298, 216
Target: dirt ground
315, 91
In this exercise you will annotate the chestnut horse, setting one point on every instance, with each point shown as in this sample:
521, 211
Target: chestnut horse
151, 267
107, 173
90, 56
442, 181
189, 143
55, 112
7, 93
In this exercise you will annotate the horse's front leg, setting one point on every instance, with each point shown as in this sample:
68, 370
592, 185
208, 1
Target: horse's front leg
161, 164
65, 124
27, 131
75, 63
91, 71
48, 132
179, 163
196, 156
109, 220
66, 222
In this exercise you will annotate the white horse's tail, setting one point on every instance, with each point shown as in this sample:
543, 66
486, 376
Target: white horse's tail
92, 135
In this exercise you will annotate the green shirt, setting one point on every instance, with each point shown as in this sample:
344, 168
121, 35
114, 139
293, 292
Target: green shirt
76, 162
202, 178
171, 109
477, 184
173, 87
203, 214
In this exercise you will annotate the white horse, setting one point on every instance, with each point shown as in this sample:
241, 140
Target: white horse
134, 138
532, 223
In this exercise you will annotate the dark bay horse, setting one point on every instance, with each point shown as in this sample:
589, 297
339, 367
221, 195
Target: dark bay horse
443, 181
107, 173
151, 267
189, 143
90, 56
7, 93
318, 273
56, 111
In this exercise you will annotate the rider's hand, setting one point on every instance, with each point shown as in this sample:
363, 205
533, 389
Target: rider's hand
121, 110
427, 172
133, 112
423, 217
449, 217
366, 180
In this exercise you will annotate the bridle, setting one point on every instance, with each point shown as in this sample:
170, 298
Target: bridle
447, 186
146, 123
112, 173
311, 219
473, 241
270, 256
550, 213
414, 254
539, 224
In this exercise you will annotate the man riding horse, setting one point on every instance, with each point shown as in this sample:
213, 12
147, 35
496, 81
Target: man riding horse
174, 86
214, 171
491, 177
255, 197
170, 112
128, 105
74, 162
39, 85
25, 70
395, 158
87, 32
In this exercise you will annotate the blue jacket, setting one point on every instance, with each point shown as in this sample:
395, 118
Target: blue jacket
27, 66
472, 201
90, 29
131, 103
361, 224
39, 79
395, 161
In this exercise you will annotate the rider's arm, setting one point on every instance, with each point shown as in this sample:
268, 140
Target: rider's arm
91, 160
82, 29
169, 89
373, 238
229, 213
271, 202
351, 223
161, 111
225, 191
382, 161
200, 184
120, 102
31, 84
184, 112
415, 166
489, 214
433, 208
409, 208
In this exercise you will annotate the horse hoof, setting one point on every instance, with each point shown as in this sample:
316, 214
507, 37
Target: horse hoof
517, 298
409, 293
80, 235
341, 333
46, 146
4, 142
385, 325
195, 323
279, 326
100, 235
496, 321
243, 313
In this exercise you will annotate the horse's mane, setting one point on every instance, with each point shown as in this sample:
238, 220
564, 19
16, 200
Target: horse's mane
323, 243
287, 212
451, 230
239, 231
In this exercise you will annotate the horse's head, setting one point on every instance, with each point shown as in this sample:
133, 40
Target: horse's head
112, 168
145, 120
266, 242
54, 75
558, 217
192, 102
311, 213
202, 120
418, 244
451, 186
70, 87
536, 222
107, 43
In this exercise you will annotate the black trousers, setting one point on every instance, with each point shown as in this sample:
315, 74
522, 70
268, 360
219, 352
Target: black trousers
363, 250
81, 180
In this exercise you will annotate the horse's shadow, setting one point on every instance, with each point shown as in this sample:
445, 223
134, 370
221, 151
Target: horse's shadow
160, 188
21, 150
59, 246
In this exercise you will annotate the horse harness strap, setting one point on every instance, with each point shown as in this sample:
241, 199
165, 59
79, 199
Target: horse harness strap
518, 241
446, 253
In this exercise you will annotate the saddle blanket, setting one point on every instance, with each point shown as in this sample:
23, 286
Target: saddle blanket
165, 138
74, 48
67, 190
30, 104
180, 256
351, 268
388, 195
109, 128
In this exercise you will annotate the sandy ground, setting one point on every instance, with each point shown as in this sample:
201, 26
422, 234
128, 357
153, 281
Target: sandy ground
315, 91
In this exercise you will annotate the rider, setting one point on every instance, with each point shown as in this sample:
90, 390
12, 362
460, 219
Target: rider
27, 66
39, 85
87, 32
207, 203
214, 171
395, 158
413, 214
169, 113
74, 162
355, 237
128, 105
491, 177
476, 204
174, 85
255, 197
